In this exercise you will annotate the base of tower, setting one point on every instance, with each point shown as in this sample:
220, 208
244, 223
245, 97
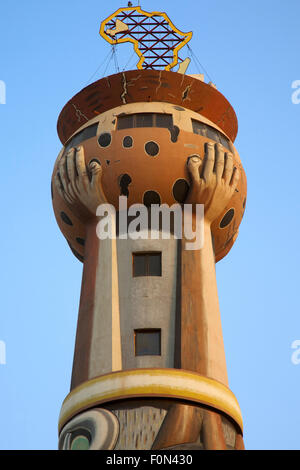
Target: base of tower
151, 409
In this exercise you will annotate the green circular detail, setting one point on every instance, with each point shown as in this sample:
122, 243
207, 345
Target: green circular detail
80, 443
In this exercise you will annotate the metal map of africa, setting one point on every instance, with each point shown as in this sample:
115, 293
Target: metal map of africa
155, 38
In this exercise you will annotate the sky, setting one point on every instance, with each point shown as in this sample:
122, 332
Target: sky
48, 52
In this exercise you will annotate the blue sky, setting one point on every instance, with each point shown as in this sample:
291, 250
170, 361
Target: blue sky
48, 52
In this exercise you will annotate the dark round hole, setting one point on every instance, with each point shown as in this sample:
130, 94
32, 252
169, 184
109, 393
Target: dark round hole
180, 190
124, 182
66, 219
151, 197
127, 142
227, 218
80, 241
152, 148
104, 139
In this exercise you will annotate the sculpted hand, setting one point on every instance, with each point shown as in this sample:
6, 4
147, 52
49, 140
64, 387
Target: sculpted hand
80, 184
214, 180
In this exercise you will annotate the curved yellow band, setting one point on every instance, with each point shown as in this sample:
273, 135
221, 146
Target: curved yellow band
164, 383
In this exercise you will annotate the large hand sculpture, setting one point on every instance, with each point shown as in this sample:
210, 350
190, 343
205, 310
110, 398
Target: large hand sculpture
214, 180
80, 184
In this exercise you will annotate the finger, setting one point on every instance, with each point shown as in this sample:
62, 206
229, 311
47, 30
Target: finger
72, 192
58, 185
95, 170
235, 178
209, 162
194, 164
219, 162
83, 179
228, 168
61, 189
71, 168
63, 172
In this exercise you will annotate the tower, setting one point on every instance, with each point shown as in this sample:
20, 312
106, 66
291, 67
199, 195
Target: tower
149, 368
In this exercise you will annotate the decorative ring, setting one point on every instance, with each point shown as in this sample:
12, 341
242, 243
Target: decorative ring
158, 383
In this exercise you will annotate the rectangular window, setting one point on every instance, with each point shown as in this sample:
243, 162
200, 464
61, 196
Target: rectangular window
199, 128
145, 120
85, 134
208, 131
164, 120
146, 264
147, 342
125, 122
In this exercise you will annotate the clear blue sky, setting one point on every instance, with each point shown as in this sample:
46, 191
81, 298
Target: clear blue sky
48, 52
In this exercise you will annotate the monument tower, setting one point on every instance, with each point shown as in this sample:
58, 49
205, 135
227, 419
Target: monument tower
149, 369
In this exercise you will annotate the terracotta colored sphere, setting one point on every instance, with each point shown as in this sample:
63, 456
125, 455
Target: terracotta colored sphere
142, 126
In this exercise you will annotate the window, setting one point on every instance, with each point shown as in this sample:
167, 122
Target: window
145, 120
85, 134
146, 264
207, 131
147, 342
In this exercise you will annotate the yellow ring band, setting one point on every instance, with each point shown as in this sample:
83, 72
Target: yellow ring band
158, 383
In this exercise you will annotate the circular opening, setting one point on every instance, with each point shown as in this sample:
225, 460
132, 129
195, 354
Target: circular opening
65, 218
152, 148
104, 139
180, 190
127, 142
227, 218
124, 182
151, 197
80, 241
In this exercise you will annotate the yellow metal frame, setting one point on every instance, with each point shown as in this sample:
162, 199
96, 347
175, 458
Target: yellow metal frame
188, 36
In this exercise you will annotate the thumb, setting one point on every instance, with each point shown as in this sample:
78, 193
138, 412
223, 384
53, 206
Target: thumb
95, 170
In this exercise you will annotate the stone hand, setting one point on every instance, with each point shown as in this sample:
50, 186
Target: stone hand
214, 180
80, 184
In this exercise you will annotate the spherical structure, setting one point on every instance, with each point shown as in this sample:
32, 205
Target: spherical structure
142, 126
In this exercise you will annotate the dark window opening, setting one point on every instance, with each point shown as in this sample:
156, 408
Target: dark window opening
85, 134
151, 197
207, 131
147, 342
104, 139
145, 120
146, 264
